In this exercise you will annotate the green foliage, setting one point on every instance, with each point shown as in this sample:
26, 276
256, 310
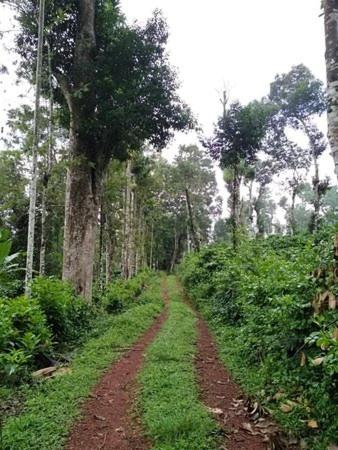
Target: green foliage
23, 336
172, 413
258, 301
52, 406
67, 315
122, 294
8, 268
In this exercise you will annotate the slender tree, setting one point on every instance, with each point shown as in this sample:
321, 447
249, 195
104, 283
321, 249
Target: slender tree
35, 148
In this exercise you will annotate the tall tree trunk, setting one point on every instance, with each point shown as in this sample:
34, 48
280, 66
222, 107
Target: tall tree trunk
108, 255
151, 263
331, 56
35, 147
81, 217
132, 239
251, 207
127, 223
174, 256
315, 180
43, 241
259, 215
48, 167
292, 211
316, 201
191, 221
83, 175
235, 206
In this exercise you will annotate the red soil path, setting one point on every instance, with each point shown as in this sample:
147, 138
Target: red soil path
108, 420
223, 396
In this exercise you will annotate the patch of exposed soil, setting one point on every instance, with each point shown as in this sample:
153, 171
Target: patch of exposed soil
108, 420
224, 398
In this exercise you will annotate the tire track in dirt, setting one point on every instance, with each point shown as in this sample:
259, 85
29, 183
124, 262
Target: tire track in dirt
108, 418
223, 397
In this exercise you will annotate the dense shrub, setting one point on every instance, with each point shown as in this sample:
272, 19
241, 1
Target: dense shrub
23, 336
68, 315
259, 302
121, 294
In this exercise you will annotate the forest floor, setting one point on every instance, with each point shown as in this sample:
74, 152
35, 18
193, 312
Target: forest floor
114, 417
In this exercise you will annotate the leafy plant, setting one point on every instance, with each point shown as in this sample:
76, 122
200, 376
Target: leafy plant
67, 314
23, 336
259, 301
9, 285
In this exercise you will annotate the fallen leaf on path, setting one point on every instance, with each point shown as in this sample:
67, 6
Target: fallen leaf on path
119, 430
217, 411
97, 417
247, 427
312, 424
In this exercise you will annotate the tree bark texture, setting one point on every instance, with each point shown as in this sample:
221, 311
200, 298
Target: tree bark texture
81, 206
81, 217
331, 56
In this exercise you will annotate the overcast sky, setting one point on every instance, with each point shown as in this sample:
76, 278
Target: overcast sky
241, 45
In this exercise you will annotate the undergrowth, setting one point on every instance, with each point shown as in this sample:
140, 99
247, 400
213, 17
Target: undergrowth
52, 405
171, 412
280, 347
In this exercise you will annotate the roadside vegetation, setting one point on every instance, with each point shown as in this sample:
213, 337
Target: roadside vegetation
271, 305
42, 411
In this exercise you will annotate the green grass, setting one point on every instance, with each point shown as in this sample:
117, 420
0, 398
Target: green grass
52, 406
171, 412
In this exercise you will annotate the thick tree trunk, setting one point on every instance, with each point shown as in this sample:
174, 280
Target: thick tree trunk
81, 205
81, 217
331, 37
